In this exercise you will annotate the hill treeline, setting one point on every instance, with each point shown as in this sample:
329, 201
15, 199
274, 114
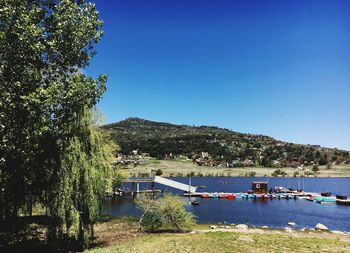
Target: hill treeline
164, 140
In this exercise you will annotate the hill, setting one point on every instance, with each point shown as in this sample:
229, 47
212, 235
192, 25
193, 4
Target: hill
210, 145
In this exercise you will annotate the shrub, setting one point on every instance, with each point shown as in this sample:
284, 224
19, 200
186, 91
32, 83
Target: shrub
252, 174
152, 221
159, 172
278, 172
192, 174
165, 213
315, 168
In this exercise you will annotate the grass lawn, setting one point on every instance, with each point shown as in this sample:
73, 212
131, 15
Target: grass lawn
121, 236
219, 242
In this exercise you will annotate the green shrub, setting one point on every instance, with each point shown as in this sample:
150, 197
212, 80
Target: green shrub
278, 172
152, 221
165, 213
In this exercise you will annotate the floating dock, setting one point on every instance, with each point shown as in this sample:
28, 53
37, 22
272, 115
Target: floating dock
309, 196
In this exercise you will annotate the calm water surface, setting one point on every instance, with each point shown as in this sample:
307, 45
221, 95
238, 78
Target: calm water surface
272, 213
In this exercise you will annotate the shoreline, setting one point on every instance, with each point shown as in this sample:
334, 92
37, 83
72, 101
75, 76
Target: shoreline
244, 228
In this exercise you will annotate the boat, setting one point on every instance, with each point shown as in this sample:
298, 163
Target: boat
325, 200
213, 195
239, 196
205, 195
280, 189
282, 196
194, 203
310, 198
231, 196
342, 200
343, 197
223, 195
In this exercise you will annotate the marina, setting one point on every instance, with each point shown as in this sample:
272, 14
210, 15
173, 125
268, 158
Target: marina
274, 213
259, 191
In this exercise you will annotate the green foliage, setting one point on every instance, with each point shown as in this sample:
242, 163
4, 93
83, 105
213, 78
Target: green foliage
191, 174
118, 177
152, 221
164, 214
323, 160
279, 172
51, 154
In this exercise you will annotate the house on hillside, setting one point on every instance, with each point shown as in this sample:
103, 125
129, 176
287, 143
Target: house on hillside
205, 155
248, 162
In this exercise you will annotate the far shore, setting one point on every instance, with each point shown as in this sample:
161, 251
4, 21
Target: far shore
184, 168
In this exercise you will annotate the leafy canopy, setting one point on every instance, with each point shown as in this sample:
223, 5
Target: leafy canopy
50, 152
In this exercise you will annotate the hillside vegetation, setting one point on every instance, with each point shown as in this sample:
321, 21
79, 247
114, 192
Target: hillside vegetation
213, 146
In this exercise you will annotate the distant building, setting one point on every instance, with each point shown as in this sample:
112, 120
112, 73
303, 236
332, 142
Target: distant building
205, 154
248, 162
275, 162
259, 187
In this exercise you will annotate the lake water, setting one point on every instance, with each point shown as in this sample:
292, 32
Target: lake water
273, 213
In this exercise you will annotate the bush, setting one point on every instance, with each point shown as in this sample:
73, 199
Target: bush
159, 172
278, 172
165, 213
192, 174
152, 221
315, 168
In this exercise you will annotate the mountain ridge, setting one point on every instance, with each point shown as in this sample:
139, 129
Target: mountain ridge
161, 139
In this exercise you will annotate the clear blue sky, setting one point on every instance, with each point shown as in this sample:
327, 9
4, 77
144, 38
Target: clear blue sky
279, 68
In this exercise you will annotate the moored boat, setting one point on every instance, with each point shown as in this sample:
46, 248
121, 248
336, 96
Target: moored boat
231, 196
325, 200
205, 195
213, 195
342, 200
195, 203
223, 195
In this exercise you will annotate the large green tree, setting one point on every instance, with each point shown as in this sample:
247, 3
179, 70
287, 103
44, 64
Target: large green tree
50, 151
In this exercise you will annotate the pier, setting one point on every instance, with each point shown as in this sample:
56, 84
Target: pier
135, 185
